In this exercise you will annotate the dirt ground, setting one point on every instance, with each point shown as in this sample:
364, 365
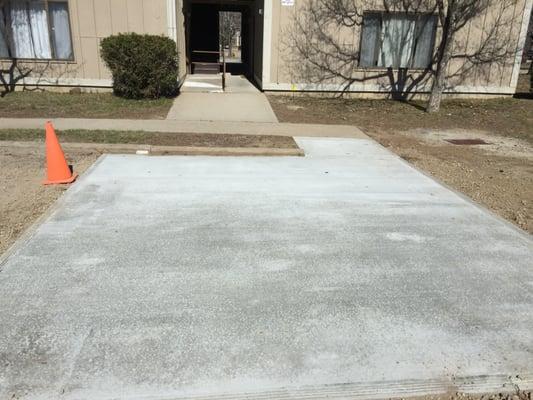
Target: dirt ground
518, 395
22, 197
498, 175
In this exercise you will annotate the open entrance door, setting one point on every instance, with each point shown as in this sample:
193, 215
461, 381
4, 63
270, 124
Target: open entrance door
232, 28
230, 40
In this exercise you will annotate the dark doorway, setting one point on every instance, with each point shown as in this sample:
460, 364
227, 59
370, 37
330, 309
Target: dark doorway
206, 24
204, 39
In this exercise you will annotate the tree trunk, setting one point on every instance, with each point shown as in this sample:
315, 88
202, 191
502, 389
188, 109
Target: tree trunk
437, 88
444, 55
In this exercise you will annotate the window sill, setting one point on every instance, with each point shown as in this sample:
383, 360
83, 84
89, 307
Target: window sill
384, 69
39, 60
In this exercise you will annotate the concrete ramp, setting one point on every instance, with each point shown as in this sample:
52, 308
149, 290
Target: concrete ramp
343, 274
202, 99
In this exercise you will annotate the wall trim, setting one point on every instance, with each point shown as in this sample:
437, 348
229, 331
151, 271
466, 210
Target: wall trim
267, 41
181, 80
258, 80
284, 87
83, 82
528, 5
373, 88
172, 30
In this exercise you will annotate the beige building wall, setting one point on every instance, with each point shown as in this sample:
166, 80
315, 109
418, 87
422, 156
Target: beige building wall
486, 79
91, 21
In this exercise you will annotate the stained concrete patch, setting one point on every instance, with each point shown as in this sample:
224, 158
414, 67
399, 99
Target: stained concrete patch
340, 274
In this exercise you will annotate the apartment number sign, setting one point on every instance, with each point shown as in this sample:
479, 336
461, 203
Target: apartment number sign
287, 3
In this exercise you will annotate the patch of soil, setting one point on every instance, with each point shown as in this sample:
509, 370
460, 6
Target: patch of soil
23, 199
518, 395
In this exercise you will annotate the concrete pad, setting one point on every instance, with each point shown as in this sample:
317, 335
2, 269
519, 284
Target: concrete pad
342, 274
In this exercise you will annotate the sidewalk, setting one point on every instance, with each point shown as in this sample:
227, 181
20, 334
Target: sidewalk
213, 127
202, 99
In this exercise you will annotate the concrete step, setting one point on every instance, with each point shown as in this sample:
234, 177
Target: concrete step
205, 68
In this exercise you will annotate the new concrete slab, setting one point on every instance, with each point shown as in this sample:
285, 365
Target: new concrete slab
342, 274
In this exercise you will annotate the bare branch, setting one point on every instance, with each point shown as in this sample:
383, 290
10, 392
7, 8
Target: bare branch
322, 44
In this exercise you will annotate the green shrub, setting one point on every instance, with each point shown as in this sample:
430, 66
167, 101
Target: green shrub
143, 66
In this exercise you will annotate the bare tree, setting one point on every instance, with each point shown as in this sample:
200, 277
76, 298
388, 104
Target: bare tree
493, 48
319, 50
230, 25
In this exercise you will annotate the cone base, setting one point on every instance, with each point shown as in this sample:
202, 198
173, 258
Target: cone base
61, 181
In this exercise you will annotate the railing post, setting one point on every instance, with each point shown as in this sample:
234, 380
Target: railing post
223, 70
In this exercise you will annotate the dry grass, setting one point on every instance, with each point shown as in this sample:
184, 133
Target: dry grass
511, 117
80, 105
154, 138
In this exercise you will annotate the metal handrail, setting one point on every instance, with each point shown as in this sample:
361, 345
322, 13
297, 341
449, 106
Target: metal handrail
206, 51
220, 52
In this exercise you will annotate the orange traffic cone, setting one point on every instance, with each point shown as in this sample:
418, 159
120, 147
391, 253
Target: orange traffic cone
57, 168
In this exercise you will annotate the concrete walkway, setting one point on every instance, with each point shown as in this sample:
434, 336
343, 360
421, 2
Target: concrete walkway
200, 83
342, 274
221, 127
202, 99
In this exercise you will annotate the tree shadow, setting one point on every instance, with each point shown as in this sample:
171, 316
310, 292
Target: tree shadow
321, 48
